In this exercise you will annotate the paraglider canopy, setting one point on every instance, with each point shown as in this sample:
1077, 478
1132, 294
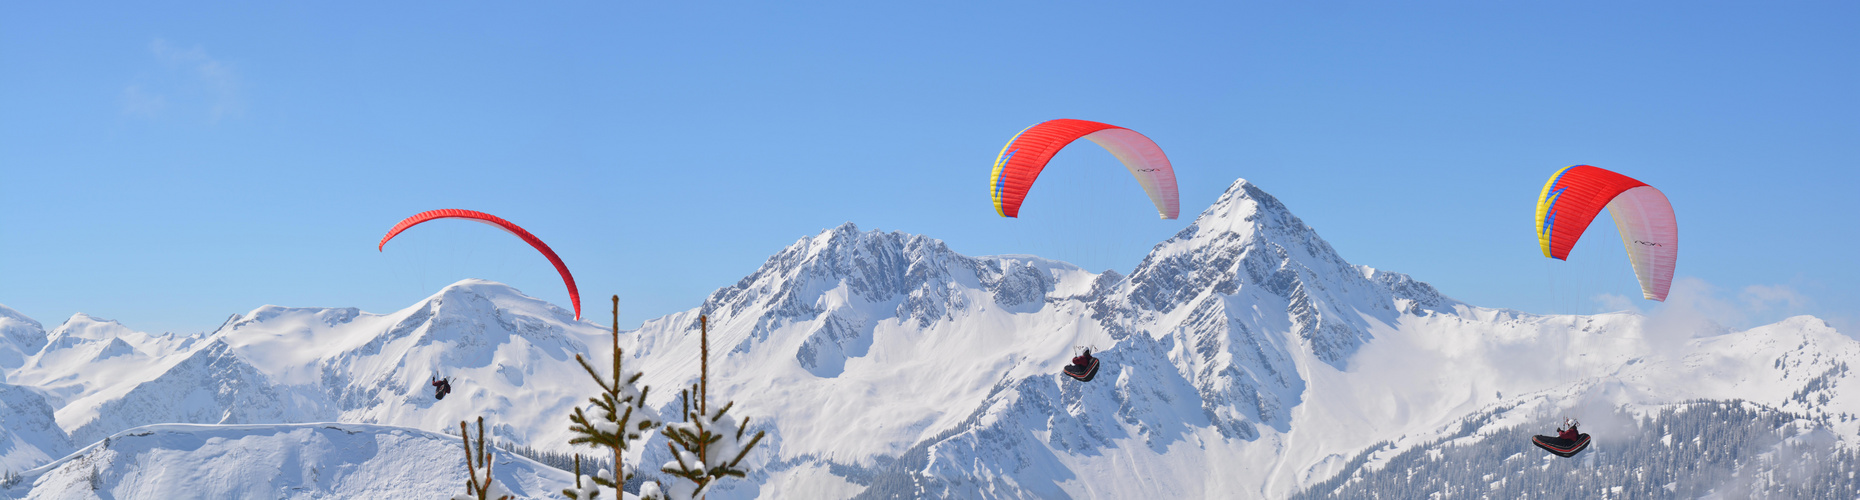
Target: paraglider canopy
1024, 156
574, 294
1576, 194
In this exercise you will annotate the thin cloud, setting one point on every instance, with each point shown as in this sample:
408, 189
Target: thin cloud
1618, 303
139, 102
1763, 298
189, 76
1696, 308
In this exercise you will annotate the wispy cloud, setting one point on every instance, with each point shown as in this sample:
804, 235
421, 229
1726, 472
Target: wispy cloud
142, 103
1617, 303
1696, 308
189, 76
1763, 298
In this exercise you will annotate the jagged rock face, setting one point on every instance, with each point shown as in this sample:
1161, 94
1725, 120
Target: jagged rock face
844, 282
1413, 296
1248, 239
1224, 289
873, 267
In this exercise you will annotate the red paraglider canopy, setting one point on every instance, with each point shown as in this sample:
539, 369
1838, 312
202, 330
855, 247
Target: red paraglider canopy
574, 294
1024, 156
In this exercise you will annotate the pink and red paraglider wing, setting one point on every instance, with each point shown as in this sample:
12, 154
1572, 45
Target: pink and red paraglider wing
574, 294
1650, 232
1026, 155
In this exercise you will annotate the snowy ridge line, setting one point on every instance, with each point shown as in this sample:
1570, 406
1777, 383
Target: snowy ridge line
148, 430
561, 461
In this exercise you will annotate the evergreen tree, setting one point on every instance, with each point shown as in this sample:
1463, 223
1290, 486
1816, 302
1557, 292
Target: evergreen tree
479, 488
708, 445
616, 419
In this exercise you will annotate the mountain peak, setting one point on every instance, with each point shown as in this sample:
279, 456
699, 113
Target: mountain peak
480, 296
26, 333
324, 315
478, 286
1249, 244
7, 313
1246, 237
1246, 210
85, 326
875, 265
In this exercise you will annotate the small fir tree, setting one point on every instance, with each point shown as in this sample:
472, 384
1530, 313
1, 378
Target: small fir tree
708, 445
479, 487
616, 418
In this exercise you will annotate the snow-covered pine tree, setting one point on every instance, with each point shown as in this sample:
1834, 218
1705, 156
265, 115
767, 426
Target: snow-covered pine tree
708, 445
477, 488
618, 417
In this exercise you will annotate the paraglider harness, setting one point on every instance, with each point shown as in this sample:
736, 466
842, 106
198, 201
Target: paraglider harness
1568, 441
1084, 367
441, 387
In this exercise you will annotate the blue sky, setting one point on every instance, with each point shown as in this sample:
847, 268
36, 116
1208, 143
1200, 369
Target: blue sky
169, 167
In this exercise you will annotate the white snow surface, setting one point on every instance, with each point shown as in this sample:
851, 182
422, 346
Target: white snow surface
1243, 357
313, 460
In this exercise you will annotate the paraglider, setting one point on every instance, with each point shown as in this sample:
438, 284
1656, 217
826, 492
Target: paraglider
1084, 367
1567, 443
1576, 194
442, 387
1024, 156
574, 294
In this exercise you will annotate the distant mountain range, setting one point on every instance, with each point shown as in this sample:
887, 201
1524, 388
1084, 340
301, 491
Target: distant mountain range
1243, 357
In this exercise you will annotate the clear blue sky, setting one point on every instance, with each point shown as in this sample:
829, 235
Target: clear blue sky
169, 167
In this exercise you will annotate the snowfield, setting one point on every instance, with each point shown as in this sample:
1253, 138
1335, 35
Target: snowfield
324, 460
1243, 357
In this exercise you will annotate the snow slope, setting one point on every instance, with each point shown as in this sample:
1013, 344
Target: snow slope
29, 434
321, 460
19, 336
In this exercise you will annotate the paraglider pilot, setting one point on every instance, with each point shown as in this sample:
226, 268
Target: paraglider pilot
1567, 443
1084, 367
441, 387
1569, 430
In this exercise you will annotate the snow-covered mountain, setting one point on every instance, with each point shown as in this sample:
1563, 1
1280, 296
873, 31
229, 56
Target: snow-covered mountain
510, 357
1243, 357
